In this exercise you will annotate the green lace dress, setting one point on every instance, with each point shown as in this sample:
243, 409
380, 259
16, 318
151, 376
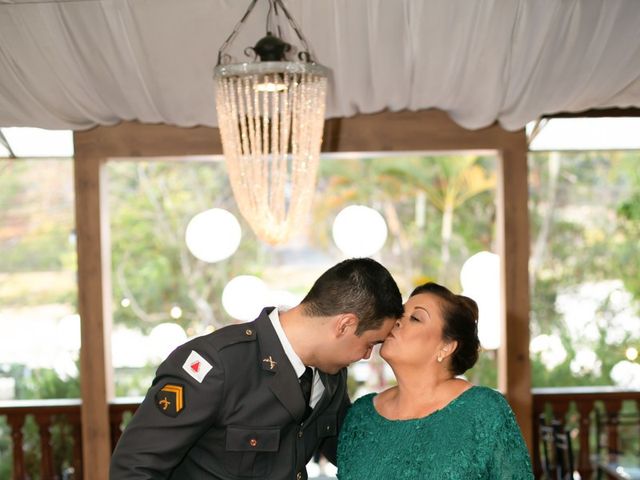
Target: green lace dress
474, 437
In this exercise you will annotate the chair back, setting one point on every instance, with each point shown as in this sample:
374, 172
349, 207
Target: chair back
547, 448
564, 452
557, 454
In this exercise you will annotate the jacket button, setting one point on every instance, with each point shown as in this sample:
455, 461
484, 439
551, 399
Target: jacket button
299, 476
248, 332
253, 442
300, 434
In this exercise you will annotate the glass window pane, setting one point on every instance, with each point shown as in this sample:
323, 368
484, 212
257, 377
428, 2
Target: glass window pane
585, 217
40, 326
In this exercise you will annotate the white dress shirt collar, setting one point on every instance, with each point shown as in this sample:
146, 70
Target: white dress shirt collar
293, 357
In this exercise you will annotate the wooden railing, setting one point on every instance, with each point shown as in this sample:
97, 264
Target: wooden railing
62, 413
575, 407
45, 413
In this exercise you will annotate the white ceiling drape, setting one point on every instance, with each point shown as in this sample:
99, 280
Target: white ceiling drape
74, 64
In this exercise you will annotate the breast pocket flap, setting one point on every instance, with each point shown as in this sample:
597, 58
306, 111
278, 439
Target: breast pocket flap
247, 439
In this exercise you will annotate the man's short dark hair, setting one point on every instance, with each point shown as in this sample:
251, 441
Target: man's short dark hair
360, 286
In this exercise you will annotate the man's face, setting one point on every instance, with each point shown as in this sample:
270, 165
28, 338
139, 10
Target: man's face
346, 347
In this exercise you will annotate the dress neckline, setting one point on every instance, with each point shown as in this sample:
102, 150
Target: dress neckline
430, 415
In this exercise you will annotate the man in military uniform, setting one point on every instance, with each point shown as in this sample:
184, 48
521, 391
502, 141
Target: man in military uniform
257, 400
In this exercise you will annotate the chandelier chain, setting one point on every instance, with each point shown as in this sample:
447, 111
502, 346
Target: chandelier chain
305, 54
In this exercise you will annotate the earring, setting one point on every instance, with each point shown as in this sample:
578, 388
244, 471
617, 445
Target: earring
439, 358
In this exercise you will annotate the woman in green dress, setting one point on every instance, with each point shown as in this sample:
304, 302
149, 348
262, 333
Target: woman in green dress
433, 425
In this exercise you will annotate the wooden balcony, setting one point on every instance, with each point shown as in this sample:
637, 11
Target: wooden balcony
575, 407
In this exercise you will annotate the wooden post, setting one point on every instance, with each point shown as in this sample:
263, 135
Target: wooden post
94, 303
514, 367
16, 423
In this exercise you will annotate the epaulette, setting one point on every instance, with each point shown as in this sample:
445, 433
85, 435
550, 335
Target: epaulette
231, 335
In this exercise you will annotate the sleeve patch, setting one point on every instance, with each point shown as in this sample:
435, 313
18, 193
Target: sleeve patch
170, 399
196, 366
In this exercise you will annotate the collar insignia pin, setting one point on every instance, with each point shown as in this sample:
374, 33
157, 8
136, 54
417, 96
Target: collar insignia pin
272, 363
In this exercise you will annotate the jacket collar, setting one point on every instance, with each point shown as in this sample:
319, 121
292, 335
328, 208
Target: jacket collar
280, 375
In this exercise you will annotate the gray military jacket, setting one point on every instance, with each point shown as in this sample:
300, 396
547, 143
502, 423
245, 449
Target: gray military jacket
228, 405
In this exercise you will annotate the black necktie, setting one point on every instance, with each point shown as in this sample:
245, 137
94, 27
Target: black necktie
306, 381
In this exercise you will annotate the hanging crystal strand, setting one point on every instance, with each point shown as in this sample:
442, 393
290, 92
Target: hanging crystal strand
231, 134
300, 137
260, 152
276, 171
274, 209
265, 138
244, 137
283, 167
249, 156
297, 150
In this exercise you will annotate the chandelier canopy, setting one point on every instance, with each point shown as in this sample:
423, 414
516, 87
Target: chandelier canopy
271, 118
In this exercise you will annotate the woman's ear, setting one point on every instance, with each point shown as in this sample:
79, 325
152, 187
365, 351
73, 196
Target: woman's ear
447, 350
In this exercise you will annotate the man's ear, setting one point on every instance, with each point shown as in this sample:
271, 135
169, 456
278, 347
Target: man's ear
345, 322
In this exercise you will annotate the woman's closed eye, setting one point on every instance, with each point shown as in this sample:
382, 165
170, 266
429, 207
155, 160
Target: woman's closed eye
414, 318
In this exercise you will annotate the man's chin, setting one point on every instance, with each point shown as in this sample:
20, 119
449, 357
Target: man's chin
330, 370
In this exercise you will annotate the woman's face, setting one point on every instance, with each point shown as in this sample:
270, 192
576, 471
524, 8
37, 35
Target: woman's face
417, 337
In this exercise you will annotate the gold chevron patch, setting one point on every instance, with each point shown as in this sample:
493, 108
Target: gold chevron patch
170, 399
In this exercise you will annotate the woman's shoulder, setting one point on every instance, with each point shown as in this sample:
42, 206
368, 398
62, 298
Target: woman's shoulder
361, 410
489, 395
488, 402
363, 403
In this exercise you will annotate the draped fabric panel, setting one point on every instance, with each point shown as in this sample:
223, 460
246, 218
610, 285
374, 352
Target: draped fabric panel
76, 64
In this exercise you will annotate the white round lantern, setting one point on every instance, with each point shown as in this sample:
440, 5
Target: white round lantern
480, 279
164, 338
213, 235
359, 231
282, 299
626, 374
244, 297
129, 348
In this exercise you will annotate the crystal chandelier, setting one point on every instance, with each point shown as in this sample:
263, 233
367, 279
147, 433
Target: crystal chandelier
271, 117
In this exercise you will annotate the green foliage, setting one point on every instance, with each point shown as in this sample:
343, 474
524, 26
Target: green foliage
485, 371
627, 251
44, 383
151, 204
35, 225
630, 209
134, 382
403, 189
573, 215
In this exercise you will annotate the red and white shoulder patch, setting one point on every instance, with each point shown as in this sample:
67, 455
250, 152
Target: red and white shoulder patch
196, 366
